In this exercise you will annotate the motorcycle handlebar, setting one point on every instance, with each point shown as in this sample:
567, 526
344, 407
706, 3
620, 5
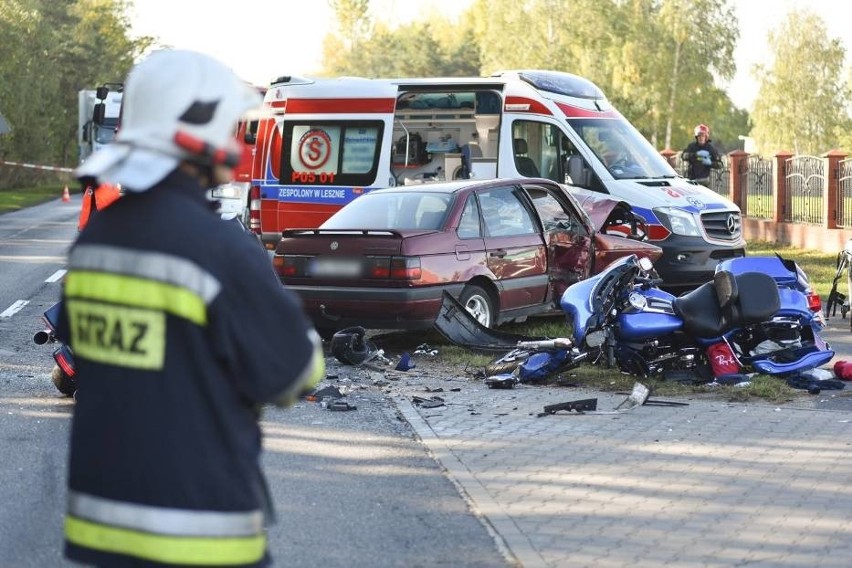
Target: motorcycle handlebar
557, 343
649, 282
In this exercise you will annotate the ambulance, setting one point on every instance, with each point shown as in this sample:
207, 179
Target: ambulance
327, 141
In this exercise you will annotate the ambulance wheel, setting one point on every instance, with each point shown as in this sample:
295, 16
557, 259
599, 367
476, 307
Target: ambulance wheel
479, 304
63, 382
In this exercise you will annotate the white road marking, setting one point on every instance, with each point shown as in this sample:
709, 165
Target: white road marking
57, 275
14, 308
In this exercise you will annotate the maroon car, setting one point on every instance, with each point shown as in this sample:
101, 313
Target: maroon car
505, 248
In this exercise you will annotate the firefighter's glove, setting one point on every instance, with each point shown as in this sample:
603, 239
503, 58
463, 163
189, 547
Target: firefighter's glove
310, 377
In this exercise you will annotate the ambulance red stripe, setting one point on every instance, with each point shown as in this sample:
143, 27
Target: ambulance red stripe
577, 112
336, 106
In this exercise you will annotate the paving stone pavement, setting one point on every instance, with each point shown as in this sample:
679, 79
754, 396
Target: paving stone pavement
708, 484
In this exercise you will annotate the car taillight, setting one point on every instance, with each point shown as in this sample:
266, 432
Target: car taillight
63, 359
394, 267
288, 266
405, 268
814, 302
254, 209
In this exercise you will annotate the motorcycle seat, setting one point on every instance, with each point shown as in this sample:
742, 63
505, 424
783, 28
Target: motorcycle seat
729, 301
700, 311
758, 300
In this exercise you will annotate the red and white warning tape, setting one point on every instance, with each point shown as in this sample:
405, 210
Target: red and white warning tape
36, 166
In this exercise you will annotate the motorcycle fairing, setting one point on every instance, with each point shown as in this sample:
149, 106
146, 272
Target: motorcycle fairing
589, 302
460, 328
804, 359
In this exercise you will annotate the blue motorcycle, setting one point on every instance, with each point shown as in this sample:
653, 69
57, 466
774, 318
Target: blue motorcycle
759, 311
758, 314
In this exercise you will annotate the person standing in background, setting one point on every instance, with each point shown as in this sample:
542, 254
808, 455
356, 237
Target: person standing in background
701, 156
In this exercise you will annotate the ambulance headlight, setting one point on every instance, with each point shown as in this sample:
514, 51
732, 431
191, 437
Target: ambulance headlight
227, 191
678, 221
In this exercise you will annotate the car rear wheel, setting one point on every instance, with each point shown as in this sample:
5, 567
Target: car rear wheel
478, 302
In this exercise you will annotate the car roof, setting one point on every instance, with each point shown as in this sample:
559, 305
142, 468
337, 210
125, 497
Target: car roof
457, 185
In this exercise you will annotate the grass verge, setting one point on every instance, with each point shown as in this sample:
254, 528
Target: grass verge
21, 198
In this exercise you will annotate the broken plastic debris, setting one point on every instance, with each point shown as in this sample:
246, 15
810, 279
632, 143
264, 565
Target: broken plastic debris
502, 381
405, 363
432, 402
425, 349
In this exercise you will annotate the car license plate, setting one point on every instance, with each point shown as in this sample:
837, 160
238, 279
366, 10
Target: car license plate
335, 267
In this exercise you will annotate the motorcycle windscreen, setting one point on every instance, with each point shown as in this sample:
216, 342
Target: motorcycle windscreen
589, 302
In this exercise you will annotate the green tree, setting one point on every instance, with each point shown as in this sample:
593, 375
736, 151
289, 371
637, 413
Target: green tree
803, 99
50, 51
657, 60
422, 49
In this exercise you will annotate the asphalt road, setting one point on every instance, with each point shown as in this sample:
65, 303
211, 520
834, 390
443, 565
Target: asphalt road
351, 488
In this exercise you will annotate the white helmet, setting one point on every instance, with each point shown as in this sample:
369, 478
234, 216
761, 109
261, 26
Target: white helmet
177, 105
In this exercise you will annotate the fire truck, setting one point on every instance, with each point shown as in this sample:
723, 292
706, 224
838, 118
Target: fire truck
327, 141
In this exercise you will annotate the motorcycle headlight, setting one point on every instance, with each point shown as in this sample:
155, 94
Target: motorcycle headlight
678, 221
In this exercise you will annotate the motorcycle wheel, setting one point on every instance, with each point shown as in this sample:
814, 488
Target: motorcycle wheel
63, 382
507, 363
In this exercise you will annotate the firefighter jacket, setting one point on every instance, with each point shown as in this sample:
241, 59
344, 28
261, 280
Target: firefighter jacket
701, 158
95, 200
180, 330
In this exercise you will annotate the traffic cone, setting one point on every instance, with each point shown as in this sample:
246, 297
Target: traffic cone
66, 197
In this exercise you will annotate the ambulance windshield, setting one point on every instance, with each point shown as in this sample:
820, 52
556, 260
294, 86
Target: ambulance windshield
622, 148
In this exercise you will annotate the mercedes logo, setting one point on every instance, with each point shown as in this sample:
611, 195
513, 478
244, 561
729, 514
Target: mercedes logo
334, 244
731, 223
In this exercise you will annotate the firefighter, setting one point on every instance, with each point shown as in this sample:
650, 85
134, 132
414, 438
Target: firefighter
701, 156
181, 331
96, 199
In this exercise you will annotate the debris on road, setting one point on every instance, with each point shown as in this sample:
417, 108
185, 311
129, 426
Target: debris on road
502, 381
579, 406
431, 402
405, 363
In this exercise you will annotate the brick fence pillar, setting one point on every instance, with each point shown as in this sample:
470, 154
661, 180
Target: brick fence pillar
832, 189
781, 185
669, 155
738, 161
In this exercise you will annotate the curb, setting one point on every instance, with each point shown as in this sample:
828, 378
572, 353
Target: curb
510, 541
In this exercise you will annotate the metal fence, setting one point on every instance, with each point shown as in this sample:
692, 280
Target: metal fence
758, 197
719, 180
807, 184
844, 194
805, 181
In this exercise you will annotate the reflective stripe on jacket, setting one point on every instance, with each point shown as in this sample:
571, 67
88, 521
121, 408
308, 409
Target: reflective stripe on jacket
164, 535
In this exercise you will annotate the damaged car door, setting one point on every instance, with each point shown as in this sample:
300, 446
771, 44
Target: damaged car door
515, 253
567, 234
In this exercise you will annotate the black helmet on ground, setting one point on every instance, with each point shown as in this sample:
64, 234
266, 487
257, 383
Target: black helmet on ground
351, 347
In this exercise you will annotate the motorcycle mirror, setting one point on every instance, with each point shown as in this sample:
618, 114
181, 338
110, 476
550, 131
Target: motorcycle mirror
595, 339
646, 264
